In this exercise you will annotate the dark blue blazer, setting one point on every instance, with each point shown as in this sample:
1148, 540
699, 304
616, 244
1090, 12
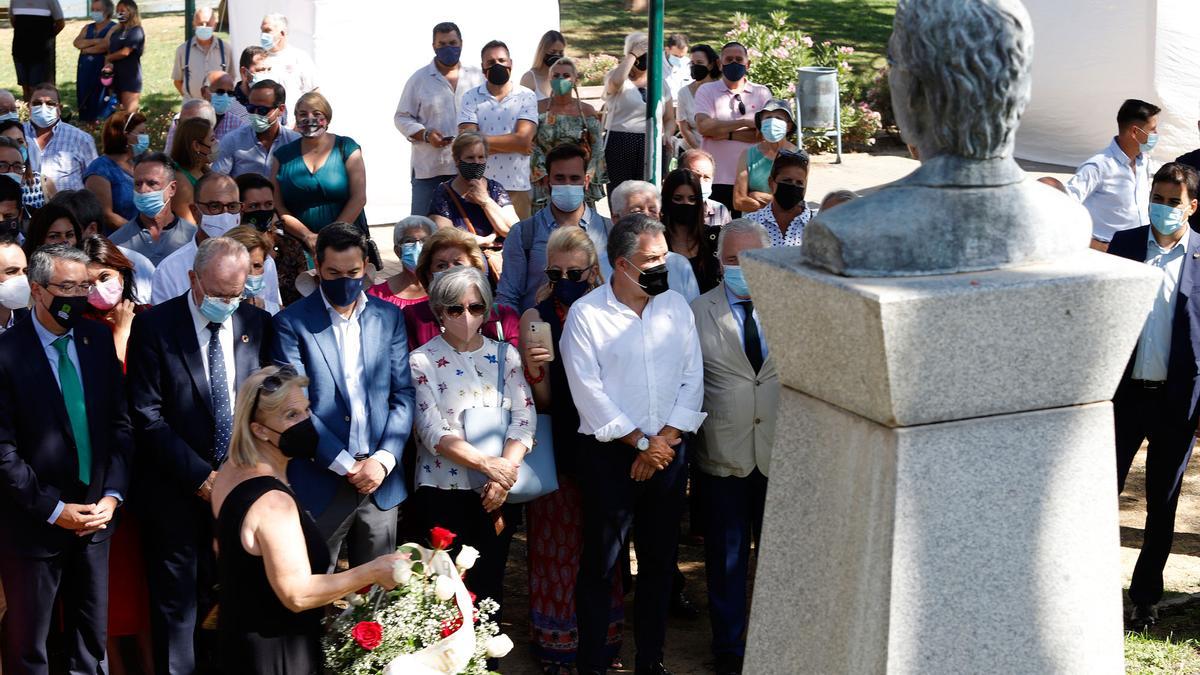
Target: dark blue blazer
1183, 385
304, 338
39, 465
170, 398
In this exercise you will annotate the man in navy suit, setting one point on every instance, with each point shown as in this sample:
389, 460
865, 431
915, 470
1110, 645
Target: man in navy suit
64, 467
354, 350
187, 357
1156, 399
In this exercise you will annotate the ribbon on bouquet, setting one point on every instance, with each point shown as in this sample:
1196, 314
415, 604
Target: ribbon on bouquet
452, 653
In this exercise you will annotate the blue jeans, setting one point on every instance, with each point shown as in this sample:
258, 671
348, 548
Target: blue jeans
422, 192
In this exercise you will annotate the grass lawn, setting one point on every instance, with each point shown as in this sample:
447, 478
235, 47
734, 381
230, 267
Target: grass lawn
1172, 646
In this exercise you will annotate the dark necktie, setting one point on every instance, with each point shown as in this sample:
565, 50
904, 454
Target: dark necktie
218, 383
72, 392
750, 336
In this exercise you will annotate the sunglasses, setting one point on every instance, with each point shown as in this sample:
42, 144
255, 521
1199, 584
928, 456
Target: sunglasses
272, 383
556, 275
740, 107
259, 109
476, 309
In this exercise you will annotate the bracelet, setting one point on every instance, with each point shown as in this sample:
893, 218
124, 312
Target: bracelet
530, 379
426, 138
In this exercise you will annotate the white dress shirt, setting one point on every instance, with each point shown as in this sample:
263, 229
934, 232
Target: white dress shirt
1115, 194
348, 333
293, 69
171, 278
224, 338
1154, 346
628, 372
428, 102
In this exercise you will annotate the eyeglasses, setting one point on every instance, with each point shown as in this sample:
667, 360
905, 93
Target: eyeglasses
217, 208
259, 109
556, 275
736, 105
476, 309
15, 167
70, 287
272, 383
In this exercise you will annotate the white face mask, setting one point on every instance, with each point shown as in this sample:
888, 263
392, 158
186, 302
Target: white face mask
14, 293
218, 225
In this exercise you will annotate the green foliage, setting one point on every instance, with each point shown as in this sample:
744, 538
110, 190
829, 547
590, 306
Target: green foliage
1147, 655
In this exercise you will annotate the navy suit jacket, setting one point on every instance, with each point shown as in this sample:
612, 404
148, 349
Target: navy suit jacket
304, 337
39, 464
170, 398
1183, 386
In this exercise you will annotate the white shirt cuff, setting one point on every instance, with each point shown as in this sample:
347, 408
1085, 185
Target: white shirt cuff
385, 458
342, 463
57, 512
685, 420
615, 429
116, 495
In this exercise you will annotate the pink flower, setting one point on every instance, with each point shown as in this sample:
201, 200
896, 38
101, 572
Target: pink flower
754, 53
791, 89
780, 52
844, 65
744, 26
808, 42
826, 43
845, 50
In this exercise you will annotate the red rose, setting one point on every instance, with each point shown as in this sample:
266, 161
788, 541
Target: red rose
449, 626
441, 538
364, 590
367, 634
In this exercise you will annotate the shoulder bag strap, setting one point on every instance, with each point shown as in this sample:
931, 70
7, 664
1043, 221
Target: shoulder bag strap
501, 364
458, 205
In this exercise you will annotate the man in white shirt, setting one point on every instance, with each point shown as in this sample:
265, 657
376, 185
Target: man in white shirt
290, 66
427, 114
204, 53
1114, 185
678, 72
507, 115
633, 361
639, 197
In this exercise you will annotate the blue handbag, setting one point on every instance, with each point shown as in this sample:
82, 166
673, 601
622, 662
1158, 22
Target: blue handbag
487, 430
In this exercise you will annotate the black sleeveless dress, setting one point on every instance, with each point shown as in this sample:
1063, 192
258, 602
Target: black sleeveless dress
256, 632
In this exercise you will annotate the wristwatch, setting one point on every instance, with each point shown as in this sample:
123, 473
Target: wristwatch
643, 443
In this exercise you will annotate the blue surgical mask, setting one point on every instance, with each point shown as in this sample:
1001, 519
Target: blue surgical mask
266, 41
260, 123
566, 198
149, 204
1167, 220
342, 291
706, 188
10, 117
221, 103
736, 281
24, 155
17, 178
255, 283
204, 32
142, 145
675, 61
260, 76
410, 253
774, 129
1151, 141
97, 17
218, 311
43, 116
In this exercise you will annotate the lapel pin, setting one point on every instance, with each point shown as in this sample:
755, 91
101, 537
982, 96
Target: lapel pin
1196, 255
245, 338
85, 341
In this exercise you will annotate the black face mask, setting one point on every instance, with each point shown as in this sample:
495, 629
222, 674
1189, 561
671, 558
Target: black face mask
498, 74
67, 310
640, 62
653, 280
699, 72
788, 195
298, 441
10, 226
260, 220
683, 214
471, 170
567, 291
550, 59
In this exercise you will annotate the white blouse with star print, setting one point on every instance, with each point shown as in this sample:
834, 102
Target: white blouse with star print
448, 382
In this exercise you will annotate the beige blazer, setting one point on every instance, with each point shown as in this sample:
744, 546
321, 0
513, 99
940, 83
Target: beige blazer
741, 405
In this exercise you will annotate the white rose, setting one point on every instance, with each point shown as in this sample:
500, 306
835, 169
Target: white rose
356, 600
467, 557
402, 572
498, 646
443, 588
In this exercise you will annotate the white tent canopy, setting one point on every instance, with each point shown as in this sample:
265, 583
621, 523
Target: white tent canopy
365, 50
1090, 55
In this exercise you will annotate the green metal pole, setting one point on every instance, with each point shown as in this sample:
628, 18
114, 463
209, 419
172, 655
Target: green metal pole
189, 11
654, 84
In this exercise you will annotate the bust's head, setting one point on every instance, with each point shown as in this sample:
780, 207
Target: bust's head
960, 75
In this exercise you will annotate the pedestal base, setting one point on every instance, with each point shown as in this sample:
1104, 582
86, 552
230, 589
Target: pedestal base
956, 547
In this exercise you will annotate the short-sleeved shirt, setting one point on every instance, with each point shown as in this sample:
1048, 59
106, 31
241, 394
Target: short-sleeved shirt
65, 157
33, 28
293, 68
120, 185
127, 72
715, 100
444, 203
241, 152
496, 118
192, 57
133, 236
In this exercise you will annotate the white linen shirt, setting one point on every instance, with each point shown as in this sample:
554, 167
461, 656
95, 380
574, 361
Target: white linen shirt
1117, 196
171, 278
428, 102
1154, 346
628, 372
496, 117
65, 157
447, 383
294, 69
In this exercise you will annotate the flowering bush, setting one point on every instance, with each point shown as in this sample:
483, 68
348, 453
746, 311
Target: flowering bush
422, 619
593, 68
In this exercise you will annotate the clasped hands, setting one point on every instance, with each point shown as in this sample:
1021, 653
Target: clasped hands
502, 475
85, 519
655, 458
366, 475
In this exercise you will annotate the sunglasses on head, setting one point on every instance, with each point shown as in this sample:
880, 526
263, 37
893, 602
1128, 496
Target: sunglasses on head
272, 384
476, 309
556, 275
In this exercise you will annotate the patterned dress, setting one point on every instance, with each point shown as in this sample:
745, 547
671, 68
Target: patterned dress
553, 130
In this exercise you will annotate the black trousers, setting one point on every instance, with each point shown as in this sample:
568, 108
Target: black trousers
1140, 414
735, 516
79, 576
613, 506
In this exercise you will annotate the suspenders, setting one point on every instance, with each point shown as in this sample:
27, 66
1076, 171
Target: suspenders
187, 63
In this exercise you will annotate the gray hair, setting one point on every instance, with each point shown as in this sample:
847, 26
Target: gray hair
623, 240
619, 197
276, 19
742, 226
839, 196
693, 154
216, 248
966, 93
449, 287
412, 223
205, 14
198, 107
41, 263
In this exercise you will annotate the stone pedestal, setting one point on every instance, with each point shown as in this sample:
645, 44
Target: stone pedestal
942, 490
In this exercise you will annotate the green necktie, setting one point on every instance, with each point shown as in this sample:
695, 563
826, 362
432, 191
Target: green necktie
72, 391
